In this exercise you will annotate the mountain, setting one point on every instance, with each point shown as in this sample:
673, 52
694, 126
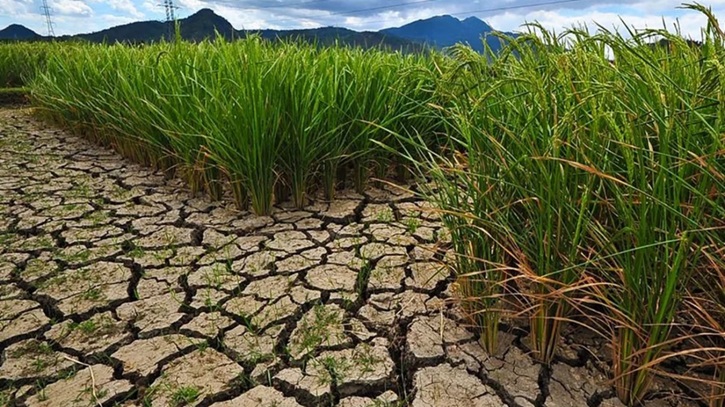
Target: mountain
435, 32
444, 31
141, 31
198, 26
205, 24
18, 32
327, 36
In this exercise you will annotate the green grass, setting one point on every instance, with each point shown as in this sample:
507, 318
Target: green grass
6, 395
319, 330
411, 225
20, 62
184, 396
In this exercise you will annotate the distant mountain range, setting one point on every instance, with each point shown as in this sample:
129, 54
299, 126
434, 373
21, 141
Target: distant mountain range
435, 32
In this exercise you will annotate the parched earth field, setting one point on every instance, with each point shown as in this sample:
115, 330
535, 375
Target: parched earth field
120, 288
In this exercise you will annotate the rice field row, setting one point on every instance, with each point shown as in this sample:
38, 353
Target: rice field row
582, 176
269, 122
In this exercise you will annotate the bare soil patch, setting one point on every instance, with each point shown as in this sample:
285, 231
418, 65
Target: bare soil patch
118, 287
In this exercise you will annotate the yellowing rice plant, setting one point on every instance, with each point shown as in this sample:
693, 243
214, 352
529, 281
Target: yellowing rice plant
582, 176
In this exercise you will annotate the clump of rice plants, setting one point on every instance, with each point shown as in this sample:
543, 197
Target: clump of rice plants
584, 190
519, 200
666, 136
266, 121
20, 62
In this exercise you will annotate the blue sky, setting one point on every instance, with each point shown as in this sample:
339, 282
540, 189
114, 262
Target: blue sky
78, 16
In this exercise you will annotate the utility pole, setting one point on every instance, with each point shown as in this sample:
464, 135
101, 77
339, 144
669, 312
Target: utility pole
48, 19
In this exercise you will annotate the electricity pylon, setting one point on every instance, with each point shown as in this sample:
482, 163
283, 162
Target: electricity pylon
170, 10
48, 19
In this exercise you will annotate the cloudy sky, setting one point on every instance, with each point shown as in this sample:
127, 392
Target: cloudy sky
77, 16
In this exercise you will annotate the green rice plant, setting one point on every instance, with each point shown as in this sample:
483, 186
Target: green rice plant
247, 138
667, 134
518, 199
185, 101
311, 133
529, 182
337, 96
380, 93
266, 120
19, 62
89, 92
458, 190
585, 184
362, 102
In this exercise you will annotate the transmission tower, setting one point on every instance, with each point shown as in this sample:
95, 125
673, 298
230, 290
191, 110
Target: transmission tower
170, 10
48, 19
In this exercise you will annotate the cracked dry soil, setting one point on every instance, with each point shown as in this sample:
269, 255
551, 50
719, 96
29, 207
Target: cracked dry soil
119, 288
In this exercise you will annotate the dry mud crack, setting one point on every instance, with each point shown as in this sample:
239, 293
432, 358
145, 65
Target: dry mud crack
119, 288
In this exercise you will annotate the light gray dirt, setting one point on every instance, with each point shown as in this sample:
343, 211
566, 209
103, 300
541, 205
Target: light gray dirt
118, 287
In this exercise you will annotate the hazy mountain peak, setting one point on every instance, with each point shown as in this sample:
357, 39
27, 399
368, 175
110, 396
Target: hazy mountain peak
444, 31
477, 24
205, 13
17, 32
444, 17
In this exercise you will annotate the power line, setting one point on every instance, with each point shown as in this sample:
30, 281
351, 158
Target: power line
287, 5
546, 3
362, 10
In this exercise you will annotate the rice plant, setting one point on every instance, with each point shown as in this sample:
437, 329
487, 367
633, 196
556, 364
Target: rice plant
667, 134
265, 120
20, 62
581, 189
521, 201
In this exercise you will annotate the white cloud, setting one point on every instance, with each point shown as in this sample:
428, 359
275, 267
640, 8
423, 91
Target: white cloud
125, 6
14, 7
392, 18
244, 18
71, 8
690, 23
152, 7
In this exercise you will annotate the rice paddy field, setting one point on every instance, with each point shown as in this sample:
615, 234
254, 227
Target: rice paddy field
580, 179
